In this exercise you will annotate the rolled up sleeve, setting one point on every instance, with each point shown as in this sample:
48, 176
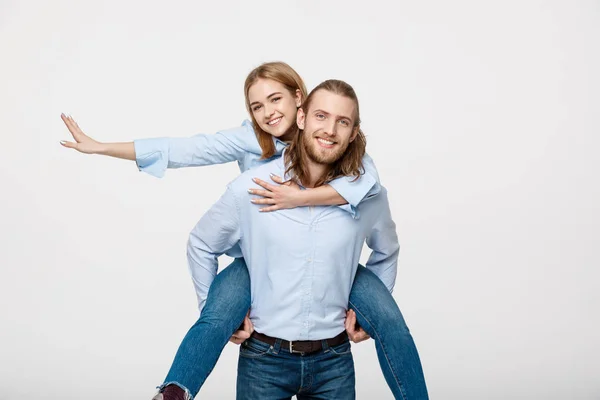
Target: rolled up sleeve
354, 191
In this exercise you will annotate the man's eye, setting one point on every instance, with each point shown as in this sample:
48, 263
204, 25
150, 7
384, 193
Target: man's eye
320, 116
344, 122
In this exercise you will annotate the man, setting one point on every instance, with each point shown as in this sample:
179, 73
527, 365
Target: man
301, 261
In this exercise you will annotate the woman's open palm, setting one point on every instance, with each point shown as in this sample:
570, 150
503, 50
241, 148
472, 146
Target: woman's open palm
83, 143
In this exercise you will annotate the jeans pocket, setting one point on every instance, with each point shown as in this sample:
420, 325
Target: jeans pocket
341, 349
253, 348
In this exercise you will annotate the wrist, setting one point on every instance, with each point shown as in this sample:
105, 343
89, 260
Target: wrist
100, 148
304, 199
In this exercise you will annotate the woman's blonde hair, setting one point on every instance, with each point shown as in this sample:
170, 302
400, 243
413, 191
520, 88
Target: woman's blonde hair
279, 72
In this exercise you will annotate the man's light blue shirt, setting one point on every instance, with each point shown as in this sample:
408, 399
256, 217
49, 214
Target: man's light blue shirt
302, 261
155, 155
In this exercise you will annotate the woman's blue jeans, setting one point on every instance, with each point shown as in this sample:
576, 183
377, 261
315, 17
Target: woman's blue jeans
228, 302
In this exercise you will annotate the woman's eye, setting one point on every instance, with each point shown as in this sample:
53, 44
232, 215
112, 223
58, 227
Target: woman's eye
276, 99
256, 108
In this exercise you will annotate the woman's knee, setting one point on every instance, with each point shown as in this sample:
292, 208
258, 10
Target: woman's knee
373, 303
230, 290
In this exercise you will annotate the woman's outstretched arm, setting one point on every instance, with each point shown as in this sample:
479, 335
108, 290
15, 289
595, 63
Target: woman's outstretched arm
155, 155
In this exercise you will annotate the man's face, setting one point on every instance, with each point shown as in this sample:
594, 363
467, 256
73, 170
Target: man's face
328, 126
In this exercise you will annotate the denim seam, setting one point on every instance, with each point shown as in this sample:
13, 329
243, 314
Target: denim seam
384, 352
333, 351
303, 363
248, 354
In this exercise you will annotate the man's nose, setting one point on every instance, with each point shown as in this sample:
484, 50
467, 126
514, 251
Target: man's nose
330, 128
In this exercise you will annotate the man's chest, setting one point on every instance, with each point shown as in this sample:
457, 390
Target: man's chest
304, 228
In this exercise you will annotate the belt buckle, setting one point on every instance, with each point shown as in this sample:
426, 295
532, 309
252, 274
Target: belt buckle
292, 349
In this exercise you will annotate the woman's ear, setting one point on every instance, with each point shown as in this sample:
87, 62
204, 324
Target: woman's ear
300, 118
298, 98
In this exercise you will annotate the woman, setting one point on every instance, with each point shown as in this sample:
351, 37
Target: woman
273, 93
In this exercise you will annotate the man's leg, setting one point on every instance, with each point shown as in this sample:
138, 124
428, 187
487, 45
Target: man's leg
331, 375
226, 306
266, 372
378, 314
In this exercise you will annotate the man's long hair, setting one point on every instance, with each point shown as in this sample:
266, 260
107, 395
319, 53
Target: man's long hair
350, 163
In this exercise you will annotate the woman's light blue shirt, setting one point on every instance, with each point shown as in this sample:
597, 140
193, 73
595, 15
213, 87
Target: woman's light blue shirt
240, 144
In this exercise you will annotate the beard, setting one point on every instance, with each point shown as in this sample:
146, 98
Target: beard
319, 154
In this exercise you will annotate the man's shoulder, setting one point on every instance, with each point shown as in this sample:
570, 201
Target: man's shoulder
374, 205
381, 196
242, 183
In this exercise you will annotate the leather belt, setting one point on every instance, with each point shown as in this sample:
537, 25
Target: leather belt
302, 346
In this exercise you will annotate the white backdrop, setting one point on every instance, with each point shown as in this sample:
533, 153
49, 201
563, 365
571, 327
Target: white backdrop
481, 116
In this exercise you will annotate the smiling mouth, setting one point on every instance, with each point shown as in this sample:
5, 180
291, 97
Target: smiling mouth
274, 122
325, 143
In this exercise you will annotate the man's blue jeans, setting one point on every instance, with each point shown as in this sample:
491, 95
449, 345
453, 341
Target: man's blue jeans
228, 302
272, 372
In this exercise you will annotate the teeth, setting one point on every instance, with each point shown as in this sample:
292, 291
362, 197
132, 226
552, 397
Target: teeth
324, 141
273, 122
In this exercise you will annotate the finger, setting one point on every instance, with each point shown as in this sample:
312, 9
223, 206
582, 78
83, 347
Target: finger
361, 333
266, 200
276, 178
75, 125
362, 336
264, 184
242, 334
352, 318
74, 122
269, 209
259, 192
67, 122
236, 340
355, 323
247, 324
73, 128
349, 326
352, 326
70, 145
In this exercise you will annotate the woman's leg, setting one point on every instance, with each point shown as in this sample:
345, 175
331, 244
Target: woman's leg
226, 306
378, 314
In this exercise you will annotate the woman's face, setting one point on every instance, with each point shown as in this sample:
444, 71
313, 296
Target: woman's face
273, 106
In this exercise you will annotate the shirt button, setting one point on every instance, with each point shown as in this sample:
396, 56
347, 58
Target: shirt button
309, 259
